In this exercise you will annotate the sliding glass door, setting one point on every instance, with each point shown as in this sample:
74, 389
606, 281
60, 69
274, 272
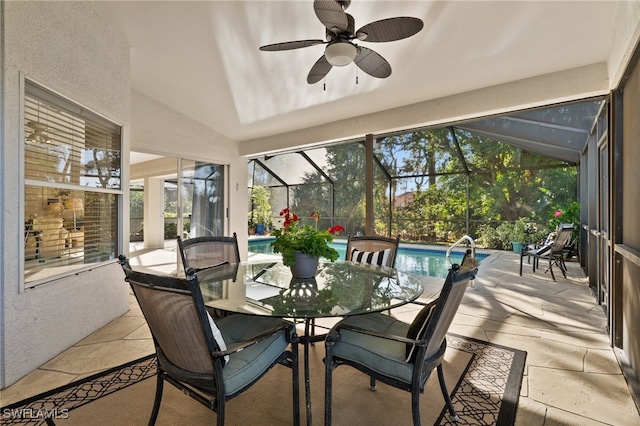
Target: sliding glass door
202, 199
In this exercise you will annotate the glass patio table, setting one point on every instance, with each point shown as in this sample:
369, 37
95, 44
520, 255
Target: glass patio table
339, 289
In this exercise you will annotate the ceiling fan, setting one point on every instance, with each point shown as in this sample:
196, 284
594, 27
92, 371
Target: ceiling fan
340, 34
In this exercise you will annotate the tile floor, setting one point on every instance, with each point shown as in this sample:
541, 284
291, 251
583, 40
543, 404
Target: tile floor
572, 376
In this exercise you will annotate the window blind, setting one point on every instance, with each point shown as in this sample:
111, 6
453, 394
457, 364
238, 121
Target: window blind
72, 167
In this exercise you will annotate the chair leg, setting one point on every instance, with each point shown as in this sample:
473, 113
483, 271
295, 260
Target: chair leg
220, 402
372, 384
158, 398
551, 268
521, 258
296, 381
445, 393
328, 380
563, 267
415, 407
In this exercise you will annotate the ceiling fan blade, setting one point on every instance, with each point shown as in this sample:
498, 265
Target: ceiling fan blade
372, 63
331, 15
319, 70
289, 45
390, 29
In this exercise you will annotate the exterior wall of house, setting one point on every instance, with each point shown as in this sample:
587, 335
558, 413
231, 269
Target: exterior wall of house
158, 129
72, 49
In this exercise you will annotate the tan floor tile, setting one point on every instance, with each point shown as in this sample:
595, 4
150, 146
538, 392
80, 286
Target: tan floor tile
599, 397
88, 359
530, 413
134, 308
116, 329
486, 309
139, 333
601, 361
493, 327
562, 418
33, 384
523, 319
520, 302
468, 331
544, 353
586, 340
524, 388
472, 320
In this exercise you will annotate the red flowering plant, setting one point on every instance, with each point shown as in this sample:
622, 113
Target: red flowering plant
569, 214
294, 237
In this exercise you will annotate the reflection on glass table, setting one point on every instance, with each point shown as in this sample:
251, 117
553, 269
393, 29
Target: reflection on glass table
338, 289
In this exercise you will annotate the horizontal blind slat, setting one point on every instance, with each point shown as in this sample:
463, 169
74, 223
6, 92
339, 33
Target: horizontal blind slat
68, 229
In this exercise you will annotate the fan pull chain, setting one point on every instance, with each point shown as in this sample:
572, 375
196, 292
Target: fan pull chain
356, 75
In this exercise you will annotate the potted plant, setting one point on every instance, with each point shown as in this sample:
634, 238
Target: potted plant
523, 232
303, 245
260, 214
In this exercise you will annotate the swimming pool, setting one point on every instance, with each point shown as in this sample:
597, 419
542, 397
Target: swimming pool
415, 260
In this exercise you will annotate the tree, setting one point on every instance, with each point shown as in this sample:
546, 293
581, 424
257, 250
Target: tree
261, 209
503, 183
345, 166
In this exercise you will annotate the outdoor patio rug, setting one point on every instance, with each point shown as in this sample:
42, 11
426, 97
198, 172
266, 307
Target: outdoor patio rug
486, 379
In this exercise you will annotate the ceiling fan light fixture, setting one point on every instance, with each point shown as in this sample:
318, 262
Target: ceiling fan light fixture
340, 54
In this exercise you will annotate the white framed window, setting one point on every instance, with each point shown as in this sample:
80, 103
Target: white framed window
73, 188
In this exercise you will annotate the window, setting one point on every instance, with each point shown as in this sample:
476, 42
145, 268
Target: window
72, 166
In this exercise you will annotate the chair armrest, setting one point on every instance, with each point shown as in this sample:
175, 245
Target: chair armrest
226, 262
393, 337
237, 347
417, 302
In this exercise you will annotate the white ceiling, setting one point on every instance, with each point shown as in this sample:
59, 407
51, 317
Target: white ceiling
202, 59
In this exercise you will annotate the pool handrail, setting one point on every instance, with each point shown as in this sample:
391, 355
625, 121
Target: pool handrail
464, 238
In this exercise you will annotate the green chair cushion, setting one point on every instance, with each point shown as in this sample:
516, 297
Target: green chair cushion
249, 364
383, 356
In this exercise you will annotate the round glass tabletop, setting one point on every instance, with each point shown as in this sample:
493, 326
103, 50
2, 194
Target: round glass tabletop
339, 289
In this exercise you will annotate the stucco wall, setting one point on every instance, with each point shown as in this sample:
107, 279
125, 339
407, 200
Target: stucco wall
72, 49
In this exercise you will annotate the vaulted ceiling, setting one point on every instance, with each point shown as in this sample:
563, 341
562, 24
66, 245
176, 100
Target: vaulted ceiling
201, 58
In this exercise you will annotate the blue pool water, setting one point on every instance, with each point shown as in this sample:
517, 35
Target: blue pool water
419, 261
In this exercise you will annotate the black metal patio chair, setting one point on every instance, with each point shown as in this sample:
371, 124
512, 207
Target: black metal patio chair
374, 250
394, 352
209, 360
204, 252
553, 251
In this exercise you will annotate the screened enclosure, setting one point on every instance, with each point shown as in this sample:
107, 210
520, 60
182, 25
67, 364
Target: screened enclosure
435, 184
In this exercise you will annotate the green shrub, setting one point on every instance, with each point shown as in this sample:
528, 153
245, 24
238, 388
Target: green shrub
498, 238
170, 230
501, 237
